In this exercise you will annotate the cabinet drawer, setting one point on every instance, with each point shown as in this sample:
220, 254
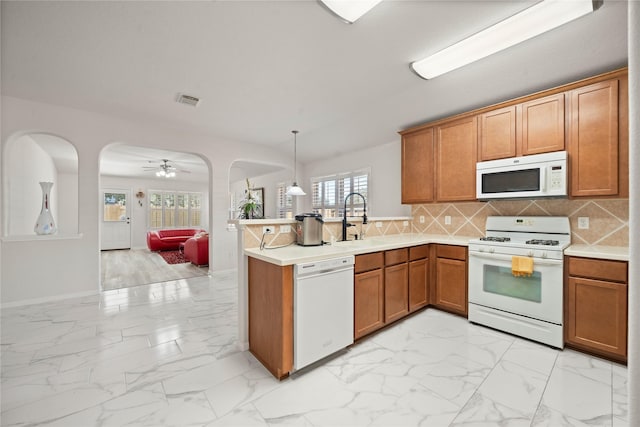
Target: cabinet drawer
452, 252
615, 271
418, 252
396, 256
367, 262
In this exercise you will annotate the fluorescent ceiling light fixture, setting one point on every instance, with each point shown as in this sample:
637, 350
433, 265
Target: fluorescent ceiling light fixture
295, 190
350, 10
529, 23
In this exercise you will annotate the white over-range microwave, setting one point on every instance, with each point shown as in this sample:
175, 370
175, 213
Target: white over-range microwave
539, 175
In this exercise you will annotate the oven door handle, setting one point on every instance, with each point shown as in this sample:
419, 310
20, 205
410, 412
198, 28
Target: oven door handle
498, 257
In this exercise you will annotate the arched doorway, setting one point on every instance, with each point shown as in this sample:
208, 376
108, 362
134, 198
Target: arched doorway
147, 189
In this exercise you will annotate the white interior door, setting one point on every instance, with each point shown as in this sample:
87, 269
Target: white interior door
116, 219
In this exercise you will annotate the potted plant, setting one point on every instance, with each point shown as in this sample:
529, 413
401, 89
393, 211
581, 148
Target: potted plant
250, 206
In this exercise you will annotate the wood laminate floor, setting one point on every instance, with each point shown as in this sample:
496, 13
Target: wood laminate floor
134, 267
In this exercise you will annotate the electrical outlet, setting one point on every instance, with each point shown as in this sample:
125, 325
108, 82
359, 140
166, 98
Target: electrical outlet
421, 219
583, 222
285, 228
378, 224
405, 223
447, 220
267, 229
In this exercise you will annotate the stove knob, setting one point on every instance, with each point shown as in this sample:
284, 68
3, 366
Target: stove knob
491, 250
481, 249
530, 254
544, 254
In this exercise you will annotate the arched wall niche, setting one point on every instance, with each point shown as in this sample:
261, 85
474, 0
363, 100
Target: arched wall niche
28, 159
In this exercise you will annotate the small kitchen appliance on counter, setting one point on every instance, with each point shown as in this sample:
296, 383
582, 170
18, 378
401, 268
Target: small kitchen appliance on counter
309, 229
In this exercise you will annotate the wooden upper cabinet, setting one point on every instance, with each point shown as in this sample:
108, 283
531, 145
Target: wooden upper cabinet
497, 134
593, 139
417, 167
456, 154
542, 125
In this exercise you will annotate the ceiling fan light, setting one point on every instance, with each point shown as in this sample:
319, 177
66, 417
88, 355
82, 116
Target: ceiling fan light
529, 23
295, 190
350, 10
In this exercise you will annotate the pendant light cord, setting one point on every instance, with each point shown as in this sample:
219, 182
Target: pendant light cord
295, 157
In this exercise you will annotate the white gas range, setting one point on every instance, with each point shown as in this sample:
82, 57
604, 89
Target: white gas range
528, 304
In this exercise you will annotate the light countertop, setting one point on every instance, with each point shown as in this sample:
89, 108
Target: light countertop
617, 253
294, 254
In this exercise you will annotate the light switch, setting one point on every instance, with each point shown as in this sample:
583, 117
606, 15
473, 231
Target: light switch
421, 219
447, 220
378, 224
285, 228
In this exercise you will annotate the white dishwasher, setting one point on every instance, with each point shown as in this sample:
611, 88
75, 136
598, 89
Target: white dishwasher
322, 309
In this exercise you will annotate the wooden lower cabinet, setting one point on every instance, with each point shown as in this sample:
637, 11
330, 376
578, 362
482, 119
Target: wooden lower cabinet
418, 284
396, 292
368, 302
271, 315
450, 290
596, 307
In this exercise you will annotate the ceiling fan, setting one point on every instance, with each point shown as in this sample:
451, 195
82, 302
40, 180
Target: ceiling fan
164, 169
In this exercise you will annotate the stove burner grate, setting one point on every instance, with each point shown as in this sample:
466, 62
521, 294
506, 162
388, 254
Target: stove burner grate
543, 242
496, 239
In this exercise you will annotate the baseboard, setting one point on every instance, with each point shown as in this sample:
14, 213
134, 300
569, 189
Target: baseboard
42, 300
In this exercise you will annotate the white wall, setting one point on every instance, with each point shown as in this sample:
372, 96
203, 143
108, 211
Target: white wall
35, 270
27, 165
385, 181
67, 193
139, 214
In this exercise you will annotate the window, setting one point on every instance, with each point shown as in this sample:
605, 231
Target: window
285, 203
329, 193
169, 209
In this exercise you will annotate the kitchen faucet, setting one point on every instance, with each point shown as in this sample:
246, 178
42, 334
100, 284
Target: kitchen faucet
345, 224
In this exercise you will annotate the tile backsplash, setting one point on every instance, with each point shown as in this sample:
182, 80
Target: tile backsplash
608, 221
608, 218
332, 230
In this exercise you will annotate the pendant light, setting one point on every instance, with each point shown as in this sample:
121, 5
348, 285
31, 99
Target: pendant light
295, 190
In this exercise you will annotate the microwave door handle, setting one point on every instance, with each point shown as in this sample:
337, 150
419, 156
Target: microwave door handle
543, 178
497, 257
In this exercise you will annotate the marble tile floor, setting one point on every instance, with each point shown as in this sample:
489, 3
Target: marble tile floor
166, 355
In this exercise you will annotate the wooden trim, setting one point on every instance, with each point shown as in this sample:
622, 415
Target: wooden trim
619, 73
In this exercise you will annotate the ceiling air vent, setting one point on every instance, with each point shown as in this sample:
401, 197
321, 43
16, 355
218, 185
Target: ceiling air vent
188, 99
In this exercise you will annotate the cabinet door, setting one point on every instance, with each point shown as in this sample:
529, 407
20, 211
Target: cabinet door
497, 139
368, 302
593, 139
543, 125
451, 285
456, 157
418, 284
396, 292
597, 316
417, 167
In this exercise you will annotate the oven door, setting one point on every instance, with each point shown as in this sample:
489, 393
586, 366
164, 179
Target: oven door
492, 284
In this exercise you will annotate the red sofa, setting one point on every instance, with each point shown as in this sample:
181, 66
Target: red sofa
169, 240
196, 250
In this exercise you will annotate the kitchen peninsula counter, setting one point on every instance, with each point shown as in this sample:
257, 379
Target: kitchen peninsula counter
294, 254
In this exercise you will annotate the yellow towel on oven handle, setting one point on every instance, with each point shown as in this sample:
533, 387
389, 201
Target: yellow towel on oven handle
521, 266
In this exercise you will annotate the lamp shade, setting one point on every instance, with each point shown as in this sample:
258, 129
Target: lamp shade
295, 190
